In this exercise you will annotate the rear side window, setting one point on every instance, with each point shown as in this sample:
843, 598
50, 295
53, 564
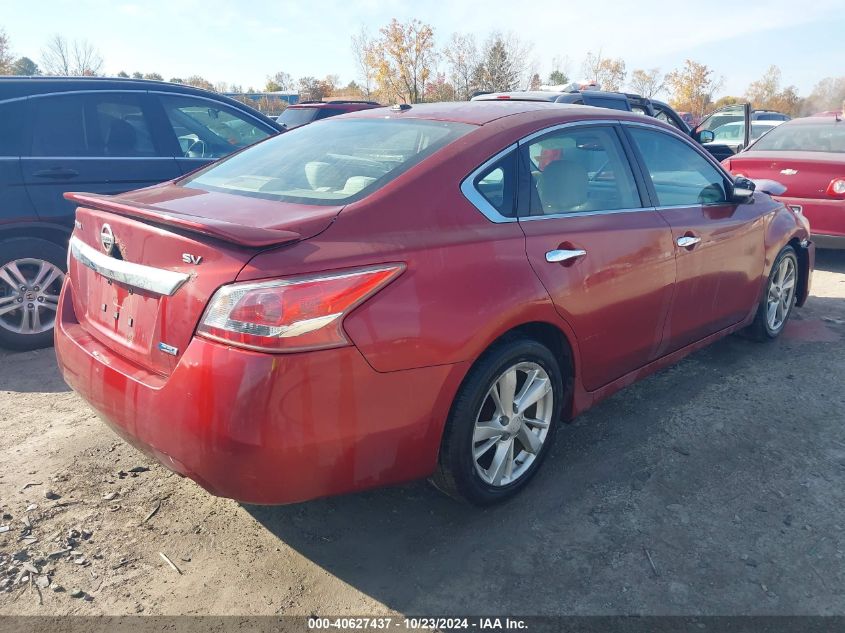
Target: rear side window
294, 117
680, 175
335, 162
607, 102
580, 170
95, 124
60, 127
11, 128
497, 184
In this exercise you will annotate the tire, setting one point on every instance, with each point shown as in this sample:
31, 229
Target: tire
463, 470
31, 274
765, 327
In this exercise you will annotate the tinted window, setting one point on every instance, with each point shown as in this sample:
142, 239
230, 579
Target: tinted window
122, 127
497, 184
681, 176
294, 117
664, 116
826, 136
336, 161
60, 127
206, 129
11, 128
583, 169
607, 102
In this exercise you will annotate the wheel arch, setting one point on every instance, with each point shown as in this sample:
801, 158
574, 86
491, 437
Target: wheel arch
55, 233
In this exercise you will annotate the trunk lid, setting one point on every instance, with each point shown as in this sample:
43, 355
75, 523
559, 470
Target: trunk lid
804, 174
172, 248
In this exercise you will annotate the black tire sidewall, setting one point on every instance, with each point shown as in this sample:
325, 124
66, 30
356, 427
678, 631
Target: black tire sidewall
469, 401
20, 248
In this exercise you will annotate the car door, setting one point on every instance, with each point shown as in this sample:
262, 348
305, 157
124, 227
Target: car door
99, 141
718, 243
603, 255
202, 130
14, 202
708, 131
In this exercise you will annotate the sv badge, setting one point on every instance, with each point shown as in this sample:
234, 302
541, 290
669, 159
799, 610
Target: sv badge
191, 259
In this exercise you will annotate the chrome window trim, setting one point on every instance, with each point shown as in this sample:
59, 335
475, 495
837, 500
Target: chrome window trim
562, 126
475, 197
157, 280
577, 214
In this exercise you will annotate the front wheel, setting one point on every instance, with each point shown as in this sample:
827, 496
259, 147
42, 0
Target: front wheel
502, 423
779, 297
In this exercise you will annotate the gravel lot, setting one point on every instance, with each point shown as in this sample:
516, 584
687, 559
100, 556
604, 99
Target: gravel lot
715, 487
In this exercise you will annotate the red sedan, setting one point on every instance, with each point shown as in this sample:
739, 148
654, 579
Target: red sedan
807, 156
423, 291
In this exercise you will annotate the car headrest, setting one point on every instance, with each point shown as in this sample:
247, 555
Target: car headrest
562, 186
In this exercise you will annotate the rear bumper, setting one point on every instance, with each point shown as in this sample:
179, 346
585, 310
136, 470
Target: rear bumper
827, 217
264, 428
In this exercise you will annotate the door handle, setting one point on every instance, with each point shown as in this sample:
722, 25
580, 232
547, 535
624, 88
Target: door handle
558, 256
57, 173
688, 241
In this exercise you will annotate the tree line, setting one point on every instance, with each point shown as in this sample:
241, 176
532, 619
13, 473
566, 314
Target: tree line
403, 62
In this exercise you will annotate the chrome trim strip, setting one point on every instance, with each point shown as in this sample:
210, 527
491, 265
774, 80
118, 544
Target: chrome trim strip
474, 196
157, 280
580, 214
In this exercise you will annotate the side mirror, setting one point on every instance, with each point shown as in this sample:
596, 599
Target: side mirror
771, 187
706, 136
743, 189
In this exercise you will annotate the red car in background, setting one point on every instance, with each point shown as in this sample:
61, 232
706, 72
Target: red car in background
807, 156
421, 291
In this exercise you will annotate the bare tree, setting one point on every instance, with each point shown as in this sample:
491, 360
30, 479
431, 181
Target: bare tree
76, 58
608, 73
279, 82
462, 58
6, 57
361, 45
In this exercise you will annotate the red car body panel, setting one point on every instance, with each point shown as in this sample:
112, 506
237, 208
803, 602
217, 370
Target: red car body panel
279, 428
806, 176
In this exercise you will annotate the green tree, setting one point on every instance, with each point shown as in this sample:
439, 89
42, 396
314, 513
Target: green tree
25, 66
498, 70
558, 78
137, 75
154, 76
123, 74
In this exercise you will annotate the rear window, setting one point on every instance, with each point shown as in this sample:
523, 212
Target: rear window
335, 162
807, 137
294, 117
607, 102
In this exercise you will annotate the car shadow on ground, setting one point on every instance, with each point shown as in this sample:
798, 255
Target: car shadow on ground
830, 260
31, 372
645, 505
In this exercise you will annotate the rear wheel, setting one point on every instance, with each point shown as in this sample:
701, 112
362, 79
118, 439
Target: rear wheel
31, 276
502, 423
779, 297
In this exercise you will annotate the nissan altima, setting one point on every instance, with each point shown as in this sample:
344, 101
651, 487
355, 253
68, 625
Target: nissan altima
422, 291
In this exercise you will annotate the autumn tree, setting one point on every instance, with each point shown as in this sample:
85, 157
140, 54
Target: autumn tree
403, 59
6, 57
25, 66
766, 93
608, 73
198, 82
463, 60
313, 89
439, 89
76, 58
727, 100
361, 45
692, 87
648, 83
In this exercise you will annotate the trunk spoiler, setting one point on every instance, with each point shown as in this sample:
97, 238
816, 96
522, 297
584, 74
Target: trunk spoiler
253, 236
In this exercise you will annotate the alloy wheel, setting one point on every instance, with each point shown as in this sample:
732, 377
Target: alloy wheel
512, 424
781, 294
29, 295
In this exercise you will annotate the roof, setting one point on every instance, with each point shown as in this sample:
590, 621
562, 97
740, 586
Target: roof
548, 95
481, 112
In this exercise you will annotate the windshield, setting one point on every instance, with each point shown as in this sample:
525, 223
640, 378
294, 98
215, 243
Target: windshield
827, 136
294, 117
735, 131
337, 161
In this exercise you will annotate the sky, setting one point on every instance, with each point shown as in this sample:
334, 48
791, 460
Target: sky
245, 42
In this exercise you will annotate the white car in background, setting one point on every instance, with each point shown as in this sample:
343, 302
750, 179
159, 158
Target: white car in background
732, 134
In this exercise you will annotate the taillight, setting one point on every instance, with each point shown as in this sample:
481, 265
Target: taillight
836, 187
294, 314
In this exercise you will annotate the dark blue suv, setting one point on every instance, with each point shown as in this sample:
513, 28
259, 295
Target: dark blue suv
99, 135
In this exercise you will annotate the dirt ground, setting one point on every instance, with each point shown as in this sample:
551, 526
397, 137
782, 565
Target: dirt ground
715, 487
